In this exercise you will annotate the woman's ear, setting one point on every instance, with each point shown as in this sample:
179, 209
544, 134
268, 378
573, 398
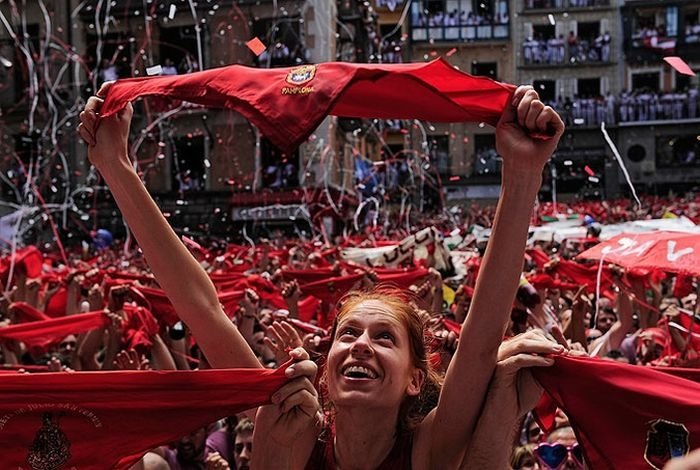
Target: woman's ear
416, 383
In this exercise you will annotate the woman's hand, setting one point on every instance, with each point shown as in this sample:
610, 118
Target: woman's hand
295, 406
513, 385
282, 338
524, 116
107, 139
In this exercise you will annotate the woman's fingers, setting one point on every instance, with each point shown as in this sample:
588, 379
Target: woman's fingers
520, 361
304, 368
274, 335
299, 354
523, 108
93, 105
292, 387
271, 344
102, 92
559, 336
291, 333
304, 400
533, 113
85, 134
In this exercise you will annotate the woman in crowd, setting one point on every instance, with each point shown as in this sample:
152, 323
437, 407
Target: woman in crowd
377, 374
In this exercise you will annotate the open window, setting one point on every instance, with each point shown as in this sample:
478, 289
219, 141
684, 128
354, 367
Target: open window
188, 170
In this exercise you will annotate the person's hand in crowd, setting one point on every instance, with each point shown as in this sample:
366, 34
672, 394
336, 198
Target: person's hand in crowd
52, 288
95, 298
117, 296
513, 383
32, 292
215, 461
295, 406
281, 338
250, 303
290, 290
524, 116
130, 360
311, 342
54, 364
107, 139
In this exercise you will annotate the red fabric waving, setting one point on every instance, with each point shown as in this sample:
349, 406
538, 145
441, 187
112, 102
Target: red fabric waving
56, 307
121, 414
287, 104
674, 252
139, 328
29, 258
27, 313
160, 305
332, 289
632, 399
308, 307
403, 278
47, 332
305, 276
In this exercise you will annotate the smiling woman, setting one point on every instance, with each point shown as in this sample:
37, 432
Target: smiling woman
377, 380
377, 374
380, 347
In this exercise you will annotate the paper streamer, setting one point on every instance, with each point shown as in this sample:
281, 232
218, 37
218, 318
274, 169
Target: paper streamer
620, 162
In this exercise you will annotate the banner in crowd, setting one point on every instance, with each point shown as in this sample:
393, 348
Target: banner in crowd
668, 251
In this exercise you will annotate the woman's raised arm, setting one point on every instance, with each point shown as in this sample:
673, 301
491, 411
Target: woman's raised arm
187, 285
470, 371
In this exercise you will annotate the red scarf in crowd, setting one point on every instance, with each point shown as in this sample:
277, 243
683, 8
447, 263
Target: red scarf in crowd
47, 332
287, 104
626, 416
101, 420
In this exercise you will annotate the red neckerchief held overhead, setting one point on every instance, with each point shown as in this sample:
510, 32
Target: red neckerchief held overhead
287, 104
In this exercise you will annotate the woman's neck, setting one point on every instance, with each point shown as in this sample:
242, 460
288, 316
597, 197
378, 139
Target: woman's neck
363, 439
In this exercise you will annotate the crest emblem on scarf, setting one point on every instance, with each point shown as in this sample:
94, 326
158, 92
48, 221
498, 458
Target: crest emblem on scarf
301, 75
665, 440
51, 447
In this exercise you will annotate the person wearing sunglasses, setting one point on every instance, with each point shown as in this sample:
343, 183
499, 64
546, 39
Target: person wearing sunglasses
561, 451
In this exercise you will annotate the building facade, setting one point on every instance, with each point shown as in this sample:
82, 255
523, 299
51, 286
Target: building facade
595, 61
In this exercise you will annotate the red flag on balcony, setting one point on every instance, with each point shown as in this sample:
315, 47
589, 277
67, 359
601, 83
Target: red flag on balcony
287, 104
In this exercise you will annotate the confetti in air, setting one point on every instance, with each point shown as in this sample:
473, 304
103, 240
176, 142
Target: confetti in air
680, 65
620, 162
154, 70
256, 46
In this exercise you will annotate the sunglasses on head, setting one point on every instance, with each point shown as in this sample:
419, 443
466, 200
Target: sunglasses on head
554, 456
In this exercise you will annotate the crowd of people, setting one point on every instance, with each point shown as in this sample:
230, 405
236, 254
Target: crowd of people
638, 106
572, 49
283, 291
421, 368
565, 3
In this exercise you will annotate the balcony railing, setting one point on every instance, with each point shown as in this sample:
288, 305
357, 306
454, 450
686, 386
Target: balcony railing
558, 52
549, 4
460, 32
640, 107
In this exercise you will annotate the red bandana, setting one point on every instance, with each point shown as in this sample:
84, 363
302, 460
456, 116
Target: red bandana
623, 415
47, 332
109, 419
287, 104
